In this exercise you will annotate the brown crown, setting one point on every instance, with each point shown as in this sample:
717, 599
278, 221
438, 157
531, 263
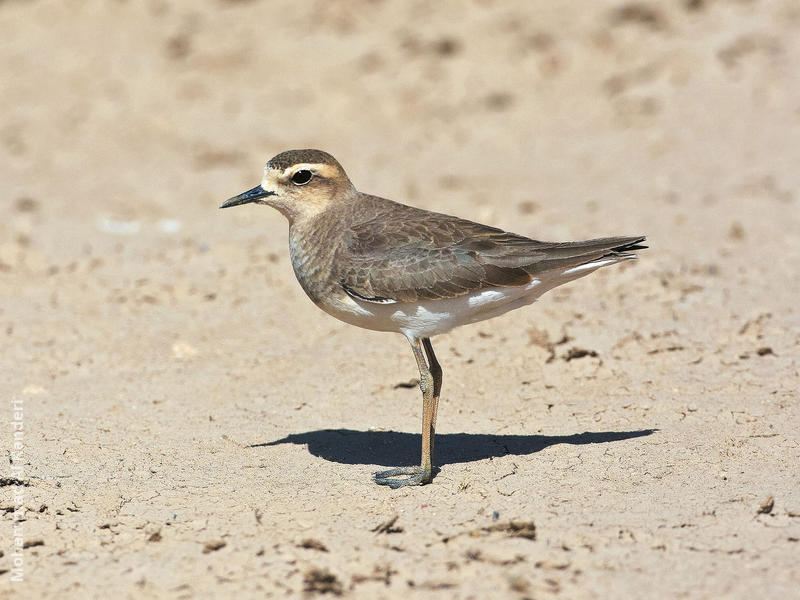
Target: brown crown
307, 155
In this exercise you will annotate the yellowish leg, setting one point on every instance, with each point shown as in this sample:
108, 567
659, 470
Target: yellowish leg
436, 372
430, 382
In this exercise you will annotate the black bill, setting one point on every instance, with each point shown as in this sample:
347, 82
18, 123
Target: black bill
247, 197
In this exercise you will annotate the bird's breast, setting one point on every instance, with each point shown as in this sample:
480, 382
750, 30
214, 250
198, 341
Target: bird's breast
312, 251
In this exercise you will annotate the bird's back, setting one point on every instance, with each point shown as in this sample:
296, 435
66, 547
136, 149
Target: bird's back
398, 252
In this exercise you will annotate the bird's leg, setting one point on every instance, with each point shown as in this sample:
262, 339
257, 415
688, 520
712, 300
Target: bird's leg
430, 383
436, 371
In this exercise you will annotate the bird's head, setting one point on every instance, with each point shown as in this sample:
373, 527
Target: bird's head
299, 183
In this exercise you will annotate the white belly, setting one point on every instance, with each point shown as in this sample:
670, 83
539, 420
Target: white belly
427, 318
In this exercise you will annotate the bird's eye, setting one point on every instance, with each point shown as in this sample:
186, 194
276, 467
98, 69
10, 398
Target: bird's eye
302, 177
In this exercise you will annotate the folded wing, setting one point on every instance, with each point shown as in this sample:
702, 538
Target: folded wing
424, 256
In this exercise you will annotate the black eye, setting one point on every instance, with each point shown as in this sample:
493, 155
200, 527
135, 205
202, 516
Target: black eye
302, 177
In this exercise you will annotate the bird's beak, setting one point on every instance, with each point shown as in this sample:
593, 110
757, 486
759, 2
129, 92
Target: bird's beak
249, 196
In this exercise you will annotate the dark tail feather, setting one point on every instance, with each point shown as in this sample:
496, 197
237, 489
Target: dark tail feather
568, 255
630, 245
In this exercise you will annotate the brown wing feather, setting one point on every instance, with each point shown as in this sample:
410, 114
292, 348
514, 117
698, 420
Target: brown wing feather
408, 254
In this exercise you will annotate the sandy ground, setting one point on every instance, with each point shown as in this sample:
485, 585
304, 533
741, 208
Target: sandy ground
195, 427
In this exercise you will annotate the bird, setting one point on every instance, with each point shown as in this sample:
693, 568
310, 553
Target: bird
386, 266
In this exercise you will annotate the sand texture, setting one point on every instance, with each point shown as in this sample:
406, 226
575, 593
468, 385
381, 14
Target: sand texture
194, 427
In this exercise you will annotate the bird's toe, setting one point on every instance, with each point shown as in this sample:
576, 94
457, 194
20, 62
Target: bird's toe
394, 477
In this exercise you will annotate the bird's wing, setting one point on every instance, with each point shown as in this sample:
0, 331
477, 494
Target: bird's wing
410, 255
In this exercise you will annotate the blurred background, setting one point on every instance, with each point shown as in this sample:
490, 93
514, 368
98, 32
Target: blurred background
599, 118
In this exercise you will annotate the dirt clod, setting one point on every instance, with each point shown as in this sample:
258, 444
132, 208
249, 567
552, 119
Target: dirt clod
321, 581
213, 546
574, 353
388, 526
766, 506
312, 544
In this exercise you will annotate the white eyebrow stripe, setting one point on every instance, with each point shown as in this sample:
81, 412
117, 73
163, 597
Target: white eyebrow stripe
317, 168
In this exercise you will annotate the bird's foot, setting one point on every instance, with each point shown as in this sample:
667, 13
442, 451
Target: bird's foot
416, 476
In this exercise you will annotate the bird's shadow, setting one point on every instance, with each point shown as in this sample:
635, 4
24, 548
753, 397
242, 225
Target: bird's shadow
394, 448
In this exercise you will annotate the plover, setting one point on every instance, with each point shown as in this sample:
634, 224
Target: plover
385, 266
